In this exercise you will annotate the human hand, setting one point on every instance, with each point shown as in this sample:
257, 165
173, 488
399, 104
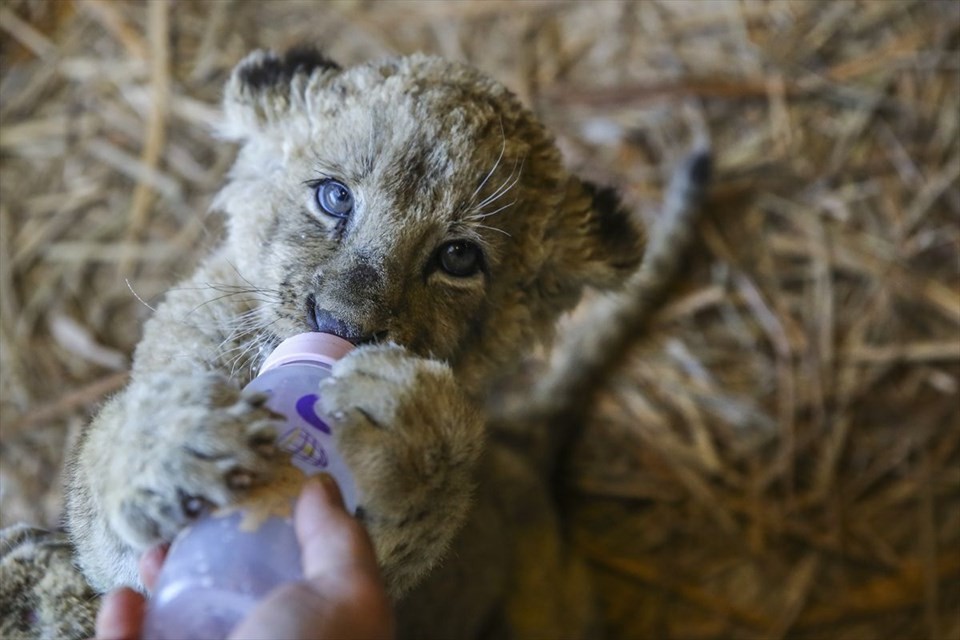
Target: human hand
342, 595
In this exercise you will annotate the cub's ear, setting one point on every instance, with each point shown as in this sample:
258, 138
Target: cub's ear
602, 243
595, 242
614, 236
264, 87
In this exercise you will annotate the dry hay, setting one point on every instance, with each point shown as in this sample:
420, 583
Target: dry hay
781, 458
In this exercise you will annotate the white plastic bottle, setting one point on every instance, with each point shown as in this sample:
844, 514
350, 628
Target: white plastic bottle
220, 567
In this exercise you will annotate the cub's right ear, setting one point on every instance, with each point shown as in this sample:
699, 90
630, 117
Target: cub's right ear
264, 88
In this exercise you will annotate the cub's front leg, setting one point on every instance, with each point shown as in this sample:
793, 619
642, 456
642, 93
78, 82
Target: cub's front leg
160, 454
412, 439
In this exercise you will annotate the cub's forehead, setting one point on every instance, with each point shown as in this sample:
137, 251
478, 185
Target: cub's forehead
369, 137
402, 126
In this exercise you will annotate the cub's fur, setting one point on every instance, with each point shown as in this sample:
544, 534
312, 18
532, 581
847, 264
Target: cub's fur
464, 241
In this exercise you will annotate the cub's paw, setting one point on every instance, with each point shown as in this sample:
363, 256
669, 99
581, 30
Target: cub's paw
203, 445
402, 422
411, 439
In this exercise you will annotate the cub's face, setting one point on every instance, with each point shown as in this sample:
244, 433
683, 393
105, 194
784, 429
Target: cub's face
412, 201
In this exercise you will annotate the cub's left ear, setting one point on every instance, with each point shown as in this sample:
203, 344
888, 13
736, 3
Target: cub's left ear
264, 87
617, 234
604, 243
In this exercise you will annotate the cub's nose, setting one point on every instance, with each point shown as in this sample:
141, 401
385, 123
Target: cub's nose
326, 322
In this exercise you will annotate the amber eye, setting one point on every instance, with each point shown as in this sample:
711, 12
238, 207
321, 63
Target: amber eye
334, 198
460, 258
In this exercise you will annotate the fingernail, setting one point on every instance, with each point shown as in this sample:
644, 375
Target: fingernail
330, 489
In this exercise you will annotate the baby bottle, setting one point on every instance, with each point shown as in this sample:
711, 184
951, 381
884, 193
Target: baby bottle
218, 568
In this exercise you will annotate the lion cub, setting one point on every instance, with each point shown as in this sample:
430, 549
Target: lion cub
414, 207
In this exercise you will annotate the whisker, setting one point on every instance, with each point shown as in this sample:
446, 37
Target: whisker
137, 295
509, 183
246, 348
484, 226
245, 279
231, 288
503, 148
221, 286
225, 289
244, 324
239, 348
240, 329
481, 216
225, 296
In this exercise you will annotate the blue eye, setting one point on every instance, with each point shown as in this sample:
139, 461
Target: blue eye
334, 198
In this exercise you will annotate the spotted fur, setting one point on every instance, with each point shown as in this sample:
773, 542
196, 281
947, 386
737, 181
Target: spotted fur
433, 151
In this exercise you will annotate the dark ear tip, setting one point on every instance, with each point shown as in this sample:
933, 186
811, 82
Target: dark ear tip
270, 69
606, 200
616, 228
700, 167
307, 57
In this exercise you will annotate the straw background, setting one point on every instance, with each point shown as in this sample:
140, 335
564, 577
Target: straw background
779, 458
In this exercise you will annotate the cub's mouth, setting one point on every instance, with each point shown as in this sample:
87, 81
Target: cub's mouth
326, 321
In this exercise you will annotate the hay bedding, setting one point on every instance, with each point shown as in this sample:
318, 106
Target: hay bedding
779, 458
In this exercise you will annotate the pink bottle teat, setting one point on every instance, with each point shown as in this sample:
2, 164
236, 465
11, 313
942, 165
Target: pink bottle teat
314, 346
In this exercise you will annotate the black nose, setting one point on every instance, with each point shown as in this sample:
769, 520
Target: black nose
326, 322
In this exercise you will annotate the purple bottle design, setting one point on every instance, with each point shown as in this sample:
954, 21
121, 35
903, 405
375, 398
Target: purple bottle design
220, 567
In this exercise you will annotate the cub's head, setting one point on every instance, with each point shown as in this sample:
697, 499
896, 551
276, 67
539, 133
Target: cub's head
411, 200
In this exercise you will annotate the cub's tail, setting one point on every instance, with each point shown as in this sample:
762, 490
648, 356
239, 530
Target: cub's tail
584, 361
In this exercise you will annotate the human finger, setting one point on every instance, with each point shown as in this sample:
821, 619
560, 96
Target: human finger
331, 540
342, 596
120, 616
150, 564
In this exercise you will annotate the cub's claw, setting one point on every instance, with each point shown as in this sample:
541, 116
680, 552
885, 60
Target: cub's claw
228, 445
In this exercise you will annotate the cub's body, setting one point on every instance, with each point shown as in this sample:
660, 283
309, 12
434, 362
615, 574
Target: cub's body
414, 207
451, 240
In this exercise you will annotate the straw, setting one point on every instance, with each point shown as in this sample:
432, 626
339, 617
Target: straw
777, 455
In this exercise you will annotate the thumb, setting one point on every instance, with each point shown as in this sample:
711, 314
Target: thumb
333, 544
342, 595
